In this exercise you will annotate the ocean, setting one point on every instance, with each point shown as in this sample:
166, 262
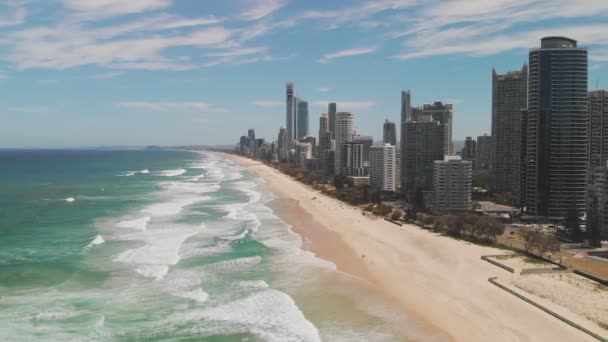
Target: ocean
162, 245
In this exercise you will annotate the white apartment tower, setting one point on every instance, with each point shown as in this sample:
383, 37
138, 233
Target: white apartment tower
382, 168
345, 131
452, 179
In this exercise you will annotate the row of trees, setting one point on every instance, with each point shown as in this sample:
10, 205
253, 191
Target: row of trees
466, 226
539, 242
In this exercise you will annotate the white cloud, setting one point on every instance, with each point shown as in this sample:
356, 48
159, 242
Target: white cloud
30, 110
347, 105
267, 104
107, 75
261, 9
323, 89
166, 106
346, 53
13, 19
94, 9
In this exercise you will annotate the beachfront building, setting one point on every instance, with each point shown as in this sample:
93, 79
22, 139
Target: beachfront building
597, 197
424, 144
252, 142
345, 131
509, 98
598, 128
303, 151
382, 171
290, 113
558, 129
313, 144
331, 113
351, 159
469, 151
406, 115
483, 158
442, 113
282, 144
302, 123
452, 179
389, 133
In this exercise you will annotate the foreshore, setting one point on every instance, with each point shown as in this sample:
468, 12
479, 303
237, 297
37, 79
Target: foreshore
439, 281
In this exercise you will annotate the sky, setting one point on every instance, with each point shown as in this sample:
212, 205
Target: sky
79, 73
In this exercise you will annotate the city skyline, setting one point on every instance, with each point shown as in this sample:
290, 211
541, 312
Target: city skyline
183, 72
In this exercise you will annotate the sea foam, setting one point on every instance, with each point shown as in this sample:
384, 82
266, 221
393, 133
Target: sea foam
172, 173
138, 223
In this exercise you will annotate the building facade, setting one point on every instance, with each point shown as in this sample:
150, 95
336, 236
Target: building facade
406, 115
345, 131
598, 128
351, 160
597, 194
382, 173
302, 123
509, 98
290, 113
425, 143
389, 133
558, 129
483, 158
452, 178
442, 113
469, 151
331, 112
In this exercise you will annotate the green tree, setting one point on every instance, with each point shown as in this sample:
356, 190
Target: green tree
339, 182
481, 180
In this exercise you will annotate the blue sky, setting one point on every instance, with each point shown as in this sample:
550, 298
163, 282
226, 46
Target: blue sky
137, 72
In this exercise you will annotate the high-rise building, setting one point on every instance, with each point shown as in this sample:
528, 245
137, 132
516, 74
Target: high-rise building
252, 142
331, 112
382, 168
598, 128
282, 144
597, 197
425, 143
469, 151
406, 106
442, 113
290, 120
313, 144
509, 98
452, 184
558, 129
302, 123
351, 159
406, 115
345, 131
483, 159
324, 138
389, 135
367, 141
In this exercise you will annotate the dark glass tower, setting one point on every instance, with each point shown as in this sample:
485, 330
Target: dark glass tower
557, 128
302, 123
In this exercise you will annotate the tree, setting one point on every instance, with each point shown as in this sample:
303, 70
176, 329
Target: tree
412, 214
548, 243
593, 224
572, 225
531, 238
481, 180
396, 214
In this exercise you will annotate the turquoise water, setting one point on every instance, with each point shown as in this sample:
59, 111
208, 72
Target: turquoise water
134, 245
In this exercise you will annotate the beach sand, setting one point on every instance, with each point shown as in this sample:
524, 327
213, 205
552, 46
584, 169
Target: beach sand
440, 281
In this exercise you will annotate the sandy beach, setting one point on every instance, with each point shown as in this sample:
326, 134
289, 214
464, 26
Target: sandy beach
438, 280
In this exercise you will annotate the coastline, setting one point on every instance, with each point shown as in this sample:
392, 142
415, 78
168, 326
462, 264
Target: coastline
440, 282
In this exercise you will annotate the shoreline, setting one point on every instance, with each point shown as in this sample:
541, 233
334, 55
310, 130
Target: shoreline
439, 281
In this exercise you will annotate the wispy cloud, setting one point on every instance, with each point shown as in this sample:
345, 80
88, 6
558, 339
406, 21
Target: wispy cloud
95, 9
17, 17
166, 106
107, 75
267, 104
30, 110
323, 89
346, 53
347, 105
261, 9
